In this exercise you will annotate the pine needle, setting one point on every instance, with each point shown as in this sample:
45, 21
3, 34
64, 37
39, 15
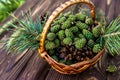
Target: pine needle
112, 37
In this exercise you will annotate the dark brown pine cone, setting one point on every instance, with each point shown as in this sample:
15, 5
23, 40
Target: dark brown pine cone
78, 58
82, 59
78, 52
64, 49
86, 58
63, 55
71, 49
83, 54
69, 57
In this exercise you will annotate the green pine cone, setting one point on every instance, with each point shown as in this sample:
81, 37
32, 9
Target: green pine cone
77, 34
49, 45
61, 15
81, 25
57, 42
71, 18
46, 41
55, 58
69, 62
89, 21
55, 28
80, 17
79, 44
81, 36
67, 14
66, 24
96, 31
87, 34
51, 36
74, 29
68, 33
61, 20
98, 40
75, 39
97, 48
62, 61
55, 23
61, 34
90, 43
51, 52
67, 41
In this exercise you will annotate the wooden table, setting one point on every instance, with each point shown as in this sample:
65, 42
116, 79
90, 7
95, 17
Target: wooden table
30, 66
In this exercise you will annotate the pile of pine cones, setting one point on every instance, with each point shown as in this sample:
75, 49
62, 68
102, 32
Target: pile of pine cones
73, 38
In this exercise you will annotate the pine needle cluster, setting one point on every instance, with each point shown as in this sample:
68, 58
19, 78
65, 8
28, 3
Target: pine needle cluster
112, 37
25, 35
111, 68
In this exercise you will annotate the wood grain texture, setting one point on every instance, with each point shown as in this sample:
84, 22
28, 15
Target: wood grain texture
30, 66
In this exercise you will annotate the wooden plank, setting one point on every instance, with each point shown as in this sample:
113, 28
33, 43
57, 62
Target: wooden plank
91, 74
117, 8
53, 75
101, 4
34, 68
14, 72
46, 6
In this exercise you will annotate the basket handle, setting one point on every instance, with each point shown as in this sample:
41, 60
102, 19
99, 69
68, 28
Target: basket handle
55, 14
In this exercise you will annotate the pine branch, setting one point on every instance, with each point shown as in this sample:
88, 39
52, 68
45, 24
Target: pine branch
111, 68
112, 37
112, 34
25, 35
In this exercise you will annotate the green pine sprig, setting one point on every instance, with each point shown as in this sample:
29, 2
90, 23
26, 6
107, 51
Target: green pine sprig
111, 68
25, 35
112, 37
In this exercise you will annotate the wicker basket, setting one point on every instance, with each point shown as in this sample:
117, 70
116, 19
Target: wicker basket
60, 67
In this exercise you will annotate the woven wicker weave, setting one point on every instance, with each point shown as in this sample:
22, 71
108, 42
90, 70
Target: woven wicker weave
62, 68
